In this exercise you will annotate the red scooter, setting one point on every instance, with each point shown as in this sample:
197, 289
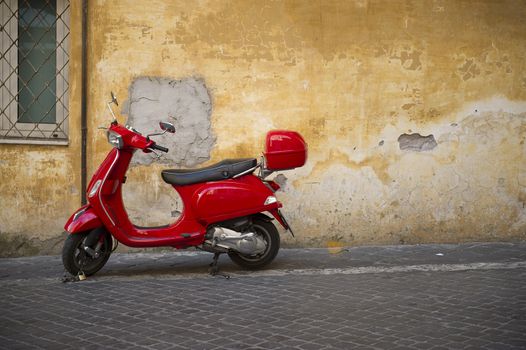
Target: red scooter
224, 204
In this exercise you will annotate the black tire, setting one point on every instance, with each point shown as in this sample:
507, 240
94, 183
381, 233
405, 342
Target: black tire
271, 235
72, 254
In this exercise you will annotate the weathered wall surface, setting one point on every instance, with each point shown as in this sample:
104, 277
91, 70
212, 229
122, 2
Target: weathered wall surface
356, 78
360, 80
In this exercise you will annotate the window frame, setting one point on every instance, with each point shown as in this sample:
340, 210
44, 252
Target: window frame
12, 131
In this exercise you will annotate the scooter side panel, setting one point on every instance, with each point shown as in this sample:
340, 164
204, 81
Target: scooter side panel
84, 219
222, 200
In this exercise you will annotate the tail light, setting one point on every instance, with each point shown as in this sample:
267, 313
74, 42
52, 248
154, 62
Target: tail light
270, 200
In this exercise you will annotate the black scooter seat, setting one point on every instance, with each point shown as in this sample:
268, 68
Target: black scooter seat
225, 169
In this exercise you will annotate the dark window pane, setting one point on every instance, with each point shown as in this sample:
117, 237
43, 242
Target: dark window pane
37, 61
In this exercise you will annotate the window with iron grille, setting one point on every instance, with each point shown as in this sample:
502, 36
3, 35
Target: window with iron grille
34, 41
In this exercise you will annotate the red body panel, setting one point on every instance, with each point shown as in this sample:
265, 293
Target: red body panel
222, 200
86, 220
284, 150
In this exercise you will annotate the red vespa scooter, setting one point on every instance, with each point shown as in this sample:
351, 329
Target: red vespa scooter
223, 212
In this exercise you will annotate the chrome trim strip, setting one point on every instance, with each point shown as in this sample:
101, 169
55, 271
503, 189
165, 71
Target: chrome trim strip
102, 186
246, 172
79, 213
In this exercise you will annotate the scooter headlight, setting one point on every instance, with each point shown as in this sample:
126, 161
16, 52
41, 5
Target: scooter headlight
115, 139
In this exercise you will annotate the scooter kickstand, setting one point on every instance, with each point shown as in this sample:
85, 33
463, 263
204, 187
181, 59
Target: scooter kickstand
214, 269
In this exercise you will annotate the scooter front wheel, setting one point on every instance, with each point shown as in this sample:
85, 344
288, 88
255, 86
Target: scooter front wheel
75, 257
270, 234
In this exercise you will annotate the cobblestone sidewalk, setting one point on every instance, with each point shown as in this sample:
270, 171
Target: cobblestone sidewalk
416, 297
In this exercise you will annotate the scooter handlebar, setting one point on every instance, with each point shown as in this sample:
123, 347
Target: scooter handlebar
159, 148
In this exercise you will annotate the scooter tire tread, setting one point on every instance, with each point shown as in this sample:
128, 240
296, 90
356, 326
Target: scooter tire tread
267, 259
68, 254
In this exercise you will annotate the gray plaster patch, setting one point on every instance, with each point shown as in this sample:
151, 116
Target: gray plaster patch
186, 103
281, 180
416, 142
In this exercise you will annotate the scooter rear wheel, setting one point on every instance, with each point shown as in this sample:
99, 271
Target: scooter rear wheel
270, 234
74, 257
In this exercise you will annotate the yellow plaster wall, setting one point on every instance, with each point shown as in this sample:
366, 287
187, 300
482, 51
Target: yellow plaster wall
351, 76
347, 75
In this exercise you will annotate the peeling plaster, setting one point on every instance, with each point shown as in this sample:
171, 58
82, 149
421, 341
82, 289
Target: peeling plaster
416, 142
281, 180
439, 196
186, 103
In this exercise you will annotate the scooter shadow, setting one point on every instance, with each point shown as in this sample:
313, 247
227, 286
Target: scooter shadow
192, 263
169, 265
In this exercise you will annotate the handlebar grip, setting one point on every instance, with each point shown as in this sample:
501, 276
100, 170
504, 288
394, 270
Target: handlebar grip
160, 148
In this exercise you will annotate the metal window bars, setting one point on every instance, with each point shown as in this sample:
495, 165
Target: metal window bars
30, 78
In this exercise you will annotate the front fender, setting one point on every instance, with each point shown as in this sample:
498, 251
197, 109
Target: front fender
84, 219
